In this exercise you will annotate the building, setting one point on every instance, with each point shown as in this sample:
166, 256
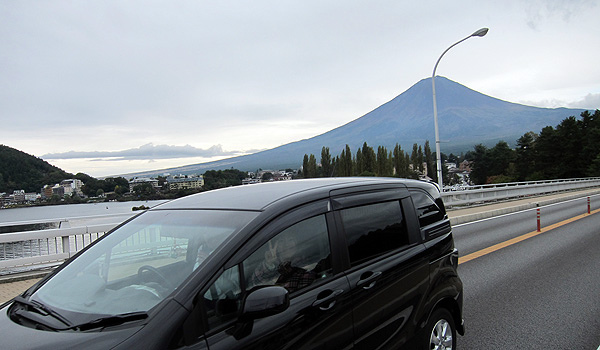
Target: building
18, 196
465, 165
46, 191
184, 183
31, 197
72, 186
58, 190
143, 180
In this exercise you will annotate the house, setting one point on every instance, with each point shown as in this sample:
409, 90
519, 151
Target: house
181, 183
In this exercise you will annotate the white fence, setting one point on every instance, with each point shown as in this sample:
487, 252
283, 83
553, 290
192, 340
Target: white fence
491, 193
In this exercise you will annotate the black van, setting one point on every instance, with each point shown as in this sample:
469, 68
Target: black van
333, 263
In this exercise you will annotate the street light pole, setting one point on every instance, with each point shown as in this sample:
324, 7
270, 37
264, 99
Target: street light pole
480, 32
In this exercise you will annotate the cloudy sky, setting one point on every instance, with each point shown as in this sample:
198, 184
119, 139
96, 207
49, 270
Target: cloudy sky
109, 87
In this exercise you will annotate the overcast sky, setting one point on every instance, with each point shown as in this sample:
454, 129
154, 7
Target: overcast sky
109, 87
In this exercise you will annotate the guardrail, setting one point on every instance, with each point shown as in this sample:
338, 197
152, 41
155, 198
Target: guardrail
470, 195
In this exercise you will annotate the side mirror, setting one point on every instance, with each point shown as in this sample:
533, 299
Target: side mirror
259, 303
265, 301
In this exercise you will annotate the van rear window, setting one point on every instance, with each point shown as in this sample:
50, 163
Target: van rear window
374, 229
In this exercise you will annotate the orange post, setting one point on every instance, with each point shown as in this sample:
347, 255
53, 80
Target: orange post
589, 206
539, 223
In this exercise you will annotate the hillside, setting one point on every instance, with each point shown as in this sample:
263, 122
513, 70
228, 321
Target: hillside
466, 118
21, 171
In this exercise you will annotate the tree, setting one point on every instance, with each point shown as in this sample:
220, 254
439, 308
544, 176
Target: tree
501, 156
369, 159
360, 166
414, 157
429, 162
312, 167
348, 163
142, 190
223, 178
481, 163
594, 169
525, 156
305, 166
400, 163
383, 162
547, 149
326, 162
571, 145
120, 190
590, 129
420, 159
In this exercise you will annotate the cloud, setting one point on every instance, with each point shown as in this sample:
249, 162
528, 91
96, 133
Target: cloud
590, 101
544, 10
148, 151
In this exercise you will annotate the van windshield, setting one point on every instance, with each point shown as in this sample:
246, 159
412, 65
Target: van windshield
138, 265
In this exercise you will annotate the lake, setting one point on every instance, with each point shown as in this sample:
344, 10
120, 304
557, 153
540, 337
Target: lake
92, 213
68, 215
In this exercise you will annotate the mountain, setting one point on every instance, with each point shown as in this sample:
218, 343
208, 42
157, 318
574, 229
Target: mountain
465, 117
21, 171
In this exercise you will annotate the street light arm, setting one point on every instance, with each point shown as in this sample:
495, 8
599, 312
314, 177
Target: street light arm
480, 32
443, 53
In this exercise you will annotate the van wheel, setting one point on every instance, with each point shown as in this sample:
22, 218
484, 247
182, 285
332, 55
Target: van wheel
440, 333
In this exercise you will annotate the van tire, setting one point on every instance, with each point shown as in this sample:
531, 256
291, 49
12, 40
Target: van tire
440, 333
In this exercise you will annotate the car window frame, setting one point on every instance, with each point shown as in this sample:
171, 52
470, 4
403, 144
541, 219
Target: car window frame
437, 228
347, 199
260, 237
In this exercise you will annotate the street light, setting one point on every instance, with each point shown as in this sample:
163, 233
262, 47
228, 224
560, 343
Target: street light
480, 32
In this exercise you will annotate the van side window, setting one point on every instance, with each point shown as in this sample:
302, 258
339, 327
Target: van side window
223, 299
374, 229
295, 258
427, 210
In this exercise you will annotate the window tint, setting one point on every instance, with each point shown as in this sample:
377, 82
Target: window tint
222, 300
427, 210
374, 229
294, 259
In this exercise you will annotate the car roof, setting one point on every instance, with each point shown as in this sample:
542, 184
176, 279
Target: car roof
259, 196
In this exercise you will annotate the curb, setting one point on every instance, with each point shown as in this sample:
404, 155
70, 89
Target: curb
23, 276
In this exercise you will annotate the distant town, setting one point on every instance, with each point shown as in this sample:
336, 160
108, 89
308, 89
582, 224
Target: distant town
173, 186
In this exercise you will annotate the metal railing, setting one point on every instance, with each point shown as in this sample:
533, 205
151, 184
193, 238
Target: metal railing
20, 250
470, 195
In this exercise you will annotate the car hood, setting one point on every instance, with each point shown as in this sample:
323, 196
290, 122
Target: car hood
21, 337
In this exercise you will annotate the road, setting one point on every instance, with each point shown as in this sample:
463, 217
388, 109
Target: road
542, 292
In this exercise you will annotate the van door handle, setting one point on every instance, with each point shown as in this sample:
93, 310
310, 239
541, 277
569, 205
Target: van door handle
369, 282
329, 301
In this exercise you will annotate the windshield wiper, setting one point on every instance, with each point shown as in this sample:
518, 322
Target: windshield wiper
42, 309
113, 320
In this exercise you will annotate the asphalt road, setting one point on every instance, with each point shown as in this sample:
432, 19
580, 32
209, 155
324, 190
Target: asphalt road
540, 293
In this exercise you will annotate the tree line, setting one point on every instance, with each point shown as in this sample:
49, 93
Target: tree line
368, 162
569, 150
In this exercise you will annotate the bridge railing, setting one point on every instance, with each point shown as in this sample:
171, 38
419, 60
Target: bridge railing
26, 249
470, 195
